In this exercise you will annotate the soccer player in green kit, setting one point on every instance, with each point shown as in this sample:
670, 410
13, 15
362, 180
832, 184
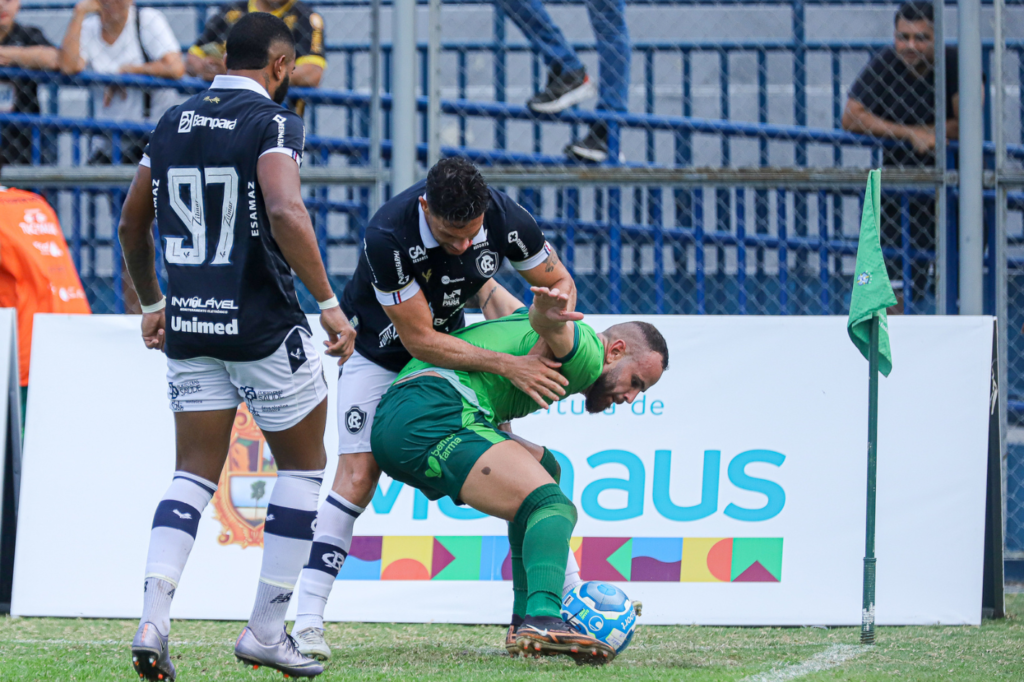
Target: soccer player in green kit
437, 430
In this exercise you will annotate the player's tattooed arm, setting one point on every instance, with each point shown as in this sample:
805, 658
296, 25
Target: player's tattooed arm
496, 301
135, 232
552, 274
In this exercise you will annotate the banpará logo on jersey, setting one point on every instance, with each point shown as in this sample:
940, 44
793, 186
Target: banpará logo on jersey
402, 277
451, 299
388, 335
355, 419
200, 305
513, 238
452, 280
417, 253
487, 263
194, 326
190, 120
37, 223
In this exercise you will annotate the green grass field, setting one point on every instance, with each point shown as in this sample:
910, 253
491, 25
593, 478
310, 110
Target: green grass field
64, 649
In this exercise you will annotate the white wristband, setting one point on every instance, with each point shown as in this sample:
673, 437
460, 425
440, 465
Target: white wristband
332, 302
156, 307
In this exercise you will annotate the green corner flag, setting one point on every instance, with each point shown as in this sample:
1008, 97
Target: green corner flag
872, 291
869, 331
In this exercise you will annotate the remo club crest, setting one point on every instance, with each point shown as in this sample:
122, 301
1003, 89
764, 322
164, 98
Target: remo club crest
246, 482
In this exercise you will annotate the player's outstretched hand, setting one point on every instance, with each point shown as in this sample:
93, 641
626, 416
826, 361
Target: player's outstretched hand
153, 330
340, 334
554, 305
537, 377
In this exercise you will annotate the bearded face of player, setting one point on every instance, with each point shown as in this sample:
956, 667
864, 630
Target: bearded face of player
623, 381
282, 91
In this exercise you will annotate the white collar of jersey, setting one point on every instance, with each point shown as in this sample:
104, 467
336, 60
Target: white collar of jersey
237, 83
427, 237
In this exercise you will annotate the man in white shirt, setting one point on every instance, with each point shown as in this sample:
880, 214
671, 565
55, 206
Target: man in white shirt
112, 36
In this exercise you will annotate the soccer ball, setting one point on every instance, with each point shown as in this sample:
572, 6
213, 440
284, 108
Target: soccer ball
602, 611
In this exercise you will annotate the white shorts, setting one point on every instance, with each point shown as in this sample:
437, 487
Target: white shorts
360, 387
279, 390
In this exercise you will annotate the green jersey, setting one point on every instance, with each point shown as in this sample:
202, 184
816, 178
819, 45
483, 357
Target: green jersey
494, 395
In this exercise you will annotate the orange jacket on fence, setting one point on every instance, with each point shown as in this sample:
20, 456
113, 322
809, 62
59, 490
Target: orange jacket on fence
37, 274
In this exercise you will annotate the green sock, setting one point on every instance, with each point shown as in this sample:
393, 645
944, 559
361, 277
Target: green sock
547, 517
515, 541
550, 465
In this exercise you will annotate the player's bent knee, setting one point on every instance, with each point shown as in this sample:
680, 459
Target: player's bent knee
546, 501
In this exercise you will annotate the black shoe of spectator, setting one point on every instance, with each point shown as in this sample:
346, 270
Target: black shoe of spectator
593, 147
564, 89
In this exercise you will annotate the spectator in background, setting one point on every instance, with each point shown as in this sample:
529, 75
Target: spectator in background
206, 57
568, 83
25, 47
894, 97
112, 36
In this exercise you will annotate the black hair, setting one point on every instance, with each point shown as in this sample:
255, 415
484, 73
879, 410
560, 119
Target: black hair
916, 10
456, 192
248, 44
654, 340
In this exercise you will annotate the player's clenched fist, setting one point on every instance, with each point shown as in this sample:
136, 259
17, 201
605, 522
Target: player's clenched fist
340, 334
153, 330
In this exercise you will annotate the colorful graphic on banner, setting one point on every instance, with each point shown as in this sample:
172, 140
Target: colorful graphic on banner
467, 557
246, 482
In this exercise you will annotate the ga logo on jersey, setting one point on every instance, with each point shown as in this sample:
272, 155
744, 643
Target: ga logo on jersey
417, 253
248, 478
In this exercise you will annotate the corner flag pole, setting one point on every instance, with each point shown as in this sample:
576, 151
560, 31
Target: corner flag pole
867, 623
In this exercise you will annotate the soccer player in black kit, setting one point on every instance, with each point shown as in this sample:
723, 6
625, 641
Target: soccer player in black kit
221, 174
427, 253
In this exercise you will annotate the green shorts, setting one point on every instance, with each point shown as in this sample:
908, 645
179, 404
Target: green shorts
426, 436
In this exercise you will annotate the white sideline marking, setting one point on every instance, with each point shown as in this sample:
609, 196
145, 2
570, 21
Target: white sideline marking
835, 655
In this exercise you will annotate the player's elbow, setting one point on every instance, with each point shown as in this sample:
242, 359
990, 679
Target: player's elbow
286, 214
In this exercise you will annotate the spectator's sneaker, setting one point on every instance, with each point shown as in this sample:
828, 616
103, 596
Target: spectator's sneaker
564, 89
510, 642
283, 656
151, 656
312, 643
550, 636
593, 147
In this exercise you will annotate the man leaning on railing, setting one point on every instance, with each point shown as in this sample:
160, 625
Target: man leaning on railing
894, 97
112, 36
205, 58
27, 47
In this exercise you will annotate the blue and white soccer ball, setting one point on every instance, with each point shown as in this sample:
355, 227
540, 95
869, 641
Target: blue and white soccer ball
602, 611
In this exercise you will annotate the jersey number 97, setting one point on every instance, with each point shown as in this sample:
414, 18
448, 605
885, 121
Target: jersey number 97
193, 217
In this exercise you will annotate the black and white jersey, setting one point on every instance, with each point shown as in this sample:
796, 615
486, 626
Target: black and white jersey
401, 257
230, 293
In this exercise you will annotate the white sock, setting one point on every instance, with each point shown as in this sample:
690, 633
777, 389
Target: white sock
287, 536
572, 574
331, 543
170, 542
